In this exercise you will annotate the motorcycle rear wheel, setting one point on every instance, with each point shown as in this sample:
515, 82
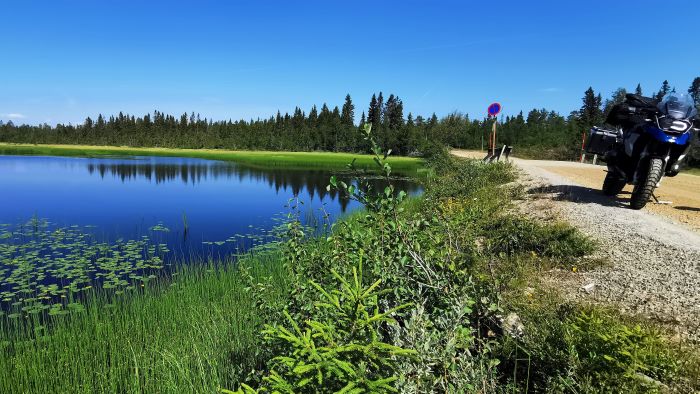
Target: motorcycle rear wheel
613, 185
643, 190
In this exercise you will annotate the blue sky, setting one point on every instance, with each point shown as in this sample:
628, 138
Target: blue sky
65, 60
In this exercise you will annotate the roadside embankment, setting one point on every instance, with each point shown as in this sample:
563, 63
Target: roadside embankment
654, 262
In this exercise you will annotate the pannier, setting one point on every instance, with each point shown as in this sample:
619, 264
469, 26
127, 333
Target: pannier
601, 140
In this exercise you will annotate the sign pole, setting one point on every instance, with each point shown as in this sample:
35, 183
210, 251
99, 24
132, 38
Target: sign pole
495, 123
493, 110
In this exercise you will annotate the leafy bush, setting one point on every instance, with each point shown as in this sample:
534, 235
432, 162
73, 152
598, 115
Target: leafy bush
615, 356
570, 348
511, 234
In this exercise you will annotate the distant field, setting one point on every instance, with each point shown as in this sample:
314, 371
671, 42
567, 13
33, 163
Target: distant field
301, 160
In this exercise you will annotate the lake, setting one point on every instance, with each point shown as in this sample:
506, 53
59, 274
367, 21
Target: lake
193, 205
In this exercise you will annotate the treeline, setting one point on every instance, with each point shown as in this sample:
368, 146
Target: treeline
540, 133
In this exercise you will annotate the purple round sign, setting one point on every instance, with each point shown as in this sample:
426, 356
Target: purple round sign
494, 109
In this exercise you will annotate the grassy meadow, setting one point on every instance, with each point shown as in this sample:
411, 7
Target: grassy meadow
263, 159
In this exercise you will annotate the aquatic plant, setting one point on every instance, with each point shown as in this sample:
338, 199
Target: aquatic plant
47, 268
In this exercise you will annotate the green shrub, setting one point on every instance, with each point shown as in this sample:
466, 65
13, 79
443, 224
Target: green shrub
569, 348
511, 235
339, 348
612, 355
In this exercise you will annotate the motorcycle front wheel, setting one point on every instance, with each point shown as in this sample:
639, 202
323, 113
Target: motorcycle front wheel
613, 184
645, 187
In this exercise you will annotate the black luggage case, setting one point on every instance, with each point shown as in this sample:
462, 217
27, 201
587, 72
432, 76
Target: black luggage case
601, 140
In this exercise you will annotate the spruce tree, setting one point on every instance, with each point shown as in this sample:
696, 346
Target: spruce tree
88, 123
617, 97
313, 117
373, 112
665, 88
590, 113
638, 90
388, 110
325, 114
100, 122
433, 120
380, 110
393, 112
347, 117
694, 91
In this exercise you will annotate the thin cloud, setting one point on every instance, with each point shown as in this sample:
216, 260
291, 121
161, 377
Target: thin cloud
14, 116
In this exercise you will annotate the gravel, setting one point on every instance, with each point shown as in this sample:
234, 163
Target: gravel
655, 263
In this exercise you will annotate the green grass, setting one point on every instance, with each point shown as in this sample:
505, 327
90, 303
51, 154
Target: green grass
195, 333
691, 171
262, 159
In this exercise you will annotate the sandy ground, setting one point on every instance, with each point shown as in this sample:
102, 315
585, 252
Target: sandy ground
654, 261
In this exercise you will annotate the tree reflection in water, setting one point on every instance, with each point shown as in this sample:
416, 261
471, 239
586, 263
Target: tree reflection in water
195, 171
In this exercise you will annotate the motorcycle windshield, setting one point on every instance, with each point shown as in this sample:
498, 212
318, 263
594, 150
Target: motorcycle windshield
678, 106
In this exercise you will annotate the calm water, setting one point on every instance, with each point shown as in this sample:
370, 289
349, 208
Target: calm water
128, 197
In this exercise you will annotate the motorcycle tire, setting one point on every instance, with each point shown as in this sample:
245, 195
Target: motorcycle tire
613, 185
643, 190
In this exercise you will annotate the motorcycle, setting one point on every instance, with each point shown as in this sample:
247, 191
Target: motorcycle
650, 141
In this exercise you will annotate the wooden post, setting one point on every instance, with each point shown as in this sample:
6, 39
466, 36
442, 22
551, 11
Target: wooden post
495, 121
583, 145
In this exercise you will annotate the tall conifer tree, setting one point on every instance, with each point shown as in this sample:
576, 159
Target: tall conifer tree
347, 117
590, 113
694, 91
373, 111
665, 88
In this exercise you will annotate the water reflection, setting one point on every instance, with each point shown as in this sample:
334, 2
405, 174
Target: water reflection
313, 182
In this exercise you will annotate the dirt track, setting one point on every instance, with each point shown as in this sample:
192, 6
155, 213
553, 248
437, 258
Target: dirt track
683, 190
654, 261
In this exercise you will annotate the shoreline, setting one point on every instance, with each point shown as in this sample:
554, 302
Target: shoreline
262, 159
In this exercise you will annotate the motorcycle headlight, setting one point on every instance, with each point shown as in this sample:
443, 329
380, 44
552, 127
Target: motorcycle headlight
680, 126
674, 125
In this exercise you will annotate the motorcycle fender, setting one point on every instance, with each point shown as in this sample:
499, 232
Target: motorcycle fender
662, 151
629, 144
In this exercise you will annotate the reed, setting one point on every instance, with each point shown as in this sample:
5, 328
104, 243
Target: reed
194, 331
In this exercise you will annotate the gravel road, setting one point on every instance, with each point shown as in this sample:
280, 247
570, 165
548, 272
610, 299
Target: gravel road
655, 262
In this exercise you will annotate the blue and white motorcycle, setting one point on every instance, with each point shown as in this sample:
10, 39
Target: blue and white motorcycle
651, 140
